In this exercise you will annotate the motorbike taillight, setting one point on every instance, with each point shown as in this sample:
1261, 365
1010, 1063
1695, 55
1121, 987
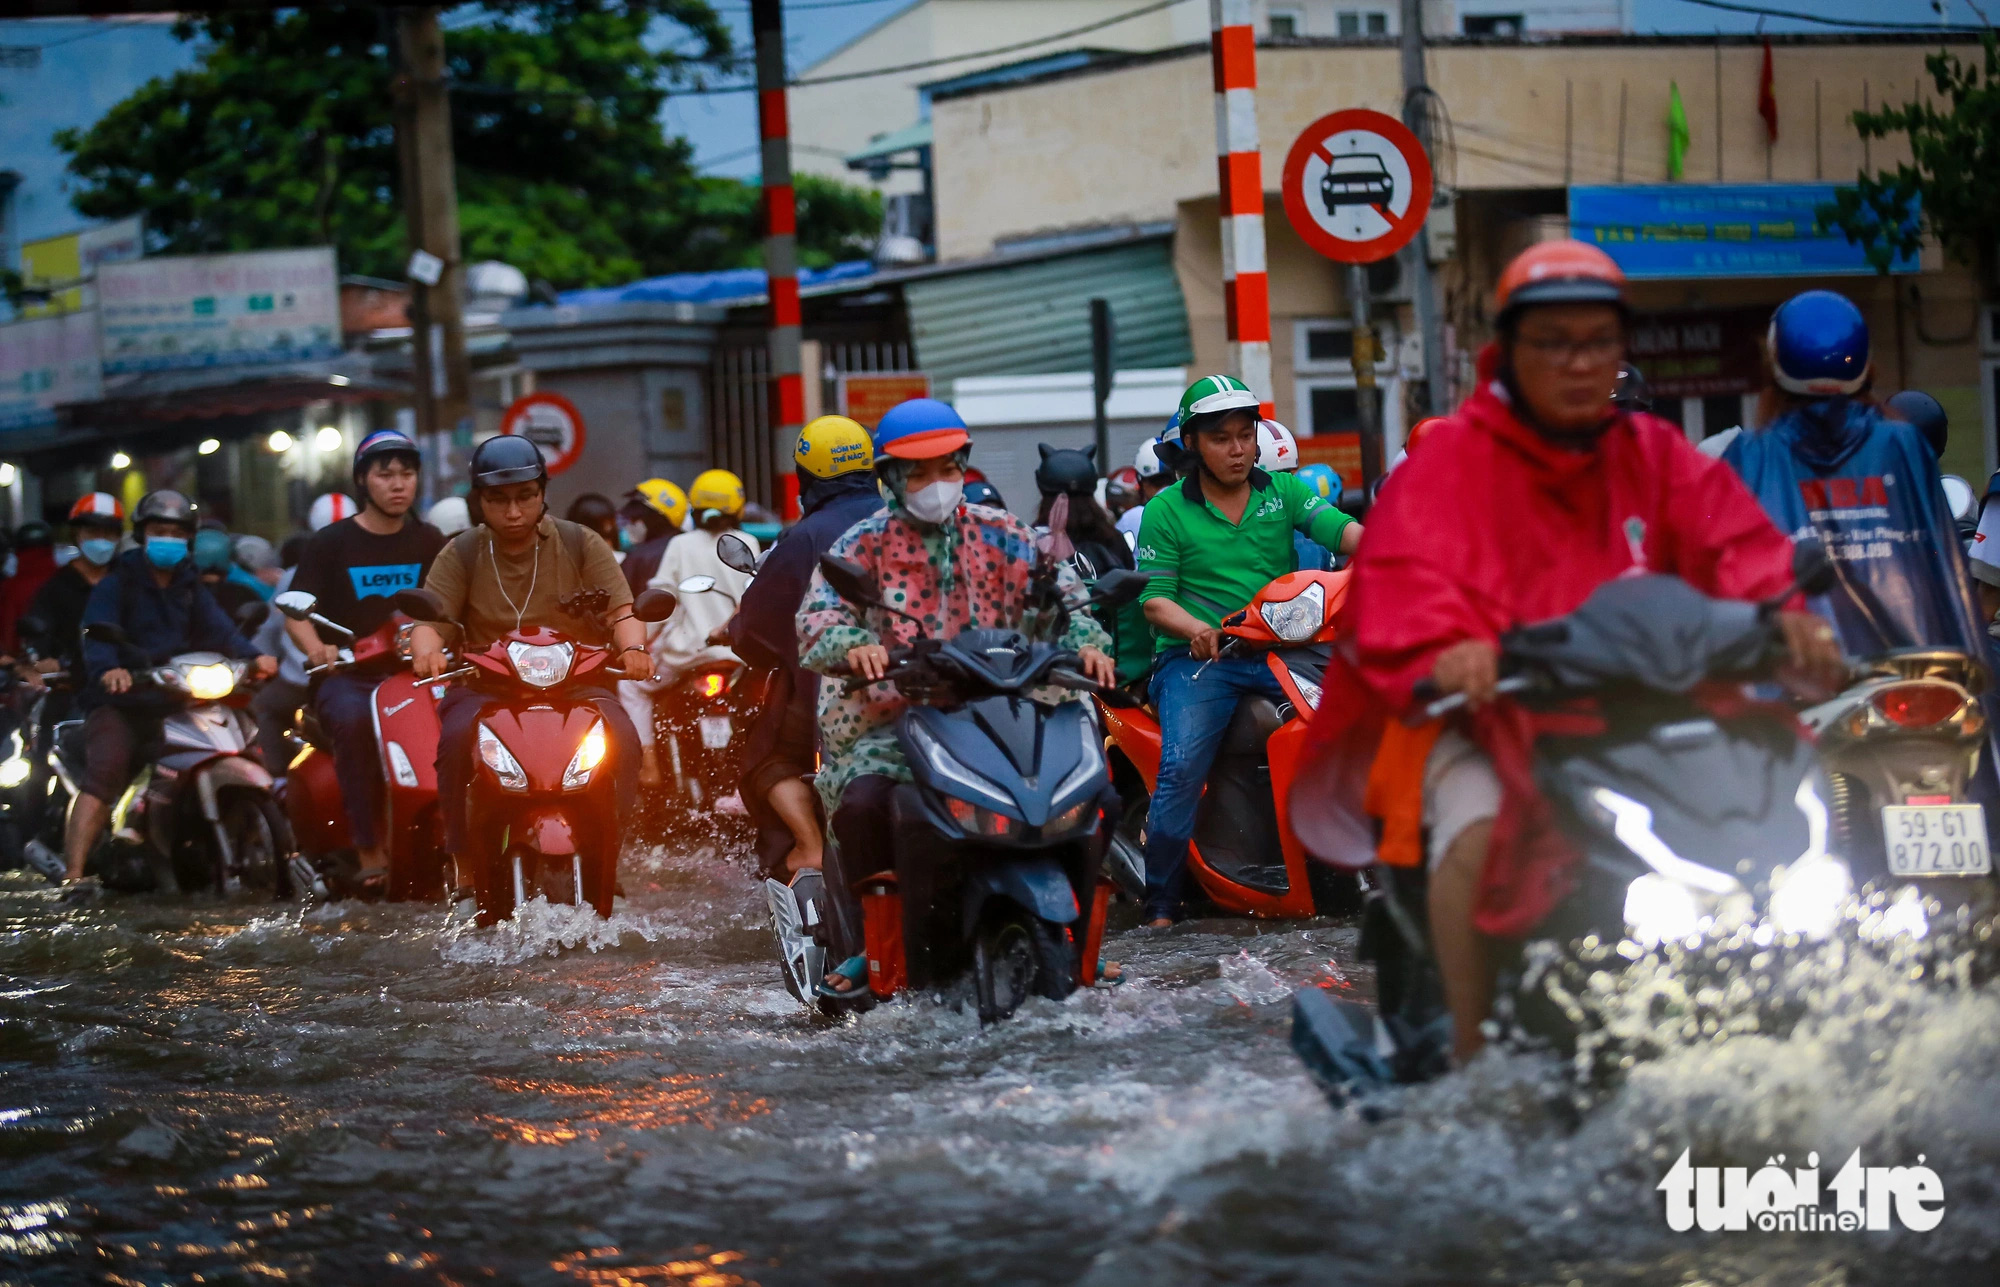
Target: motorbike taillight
712, 684
1919, 705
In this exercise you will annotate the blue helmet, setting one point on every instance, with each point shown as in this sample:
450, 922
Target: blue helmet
1819, 345
919, 429
1924, 412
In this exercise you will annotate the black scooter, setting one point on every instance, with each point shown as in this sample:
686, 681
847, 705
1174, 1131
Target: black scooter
999, 842
1692, 816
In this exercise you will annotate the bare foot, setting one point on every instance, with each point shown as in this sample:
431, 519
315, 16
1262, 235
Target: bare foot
798, 860
1164, 922
649, 767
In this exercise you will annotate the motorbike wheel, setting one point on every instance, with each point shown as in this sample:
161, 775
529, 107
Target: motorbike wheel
1015, 956
261, 841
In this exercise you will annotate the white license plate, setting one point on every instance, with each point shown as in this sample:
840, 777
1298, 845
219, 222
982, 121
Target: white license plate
715, 730
1936, 839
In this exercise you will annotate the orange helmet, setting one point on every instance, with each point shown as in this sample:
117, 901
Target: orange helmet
1558, 272
101, 508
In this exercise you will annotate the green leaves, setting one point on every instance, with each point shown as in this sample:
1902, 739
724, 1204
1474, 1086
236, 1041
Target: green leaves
1954, 171
284, 135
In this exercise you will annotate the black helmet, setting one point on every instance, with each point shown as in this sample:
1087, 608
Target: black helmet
1631, 393
1923, 412
507, 459
382, 443
980, 492
1067, 471
34, 534
166, 506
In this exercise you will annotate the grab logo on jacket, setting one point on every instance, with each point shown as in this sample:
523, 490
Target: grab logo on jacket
384, 579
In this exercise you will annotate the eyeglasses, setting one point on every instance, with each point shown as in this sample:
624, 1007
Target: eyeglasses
1560, 352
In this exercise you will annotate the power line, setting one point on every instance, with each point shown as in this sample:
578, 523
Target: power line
1760, 11
96, 30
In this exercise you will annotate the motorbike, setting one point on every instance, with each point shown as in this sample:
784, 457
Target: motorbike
1690, 790
406, 738
998, 843
698, 719
201, 811
542, 814
1245, 857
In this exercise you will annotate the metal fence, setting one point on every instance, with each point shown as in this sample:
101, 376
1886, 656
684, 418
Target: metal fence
739, 402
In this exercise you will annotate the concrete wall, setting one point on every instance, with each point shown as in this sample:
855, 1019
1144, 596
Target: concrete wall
1130, 145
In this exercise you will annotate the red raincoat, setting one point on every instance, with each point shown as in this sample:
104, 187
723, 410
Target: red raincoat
1490, 526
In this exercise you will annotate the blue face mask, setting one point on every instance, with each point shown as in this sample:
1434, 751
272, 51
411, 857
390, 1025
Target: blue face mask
166, 551
98, 549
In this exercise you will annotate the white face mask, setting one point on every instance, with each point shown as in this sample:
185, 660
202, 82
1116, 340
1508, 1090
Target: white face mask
935, 503
10, 567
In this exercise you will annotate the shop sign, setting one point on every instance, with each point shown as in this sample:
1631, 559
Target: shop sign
866, 396
1700, 354
246, 309
46, 362
1719, 230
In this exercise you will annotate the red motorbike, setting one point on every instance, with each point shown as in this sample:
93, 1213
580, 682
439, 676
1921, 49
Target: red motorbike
406, 738
542, 814
1245, 856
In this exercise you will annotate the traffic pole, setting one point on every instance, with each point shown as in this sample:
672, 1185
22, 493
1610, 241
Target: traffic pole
1423, 284
781, 250
1246, 291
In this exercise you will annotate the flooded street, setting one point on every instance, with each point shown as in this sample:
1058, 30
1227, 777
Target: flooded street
193, 1092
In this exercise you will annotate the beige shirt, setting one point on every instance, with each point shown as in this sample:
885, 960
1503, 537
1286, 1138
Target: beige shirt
492, 593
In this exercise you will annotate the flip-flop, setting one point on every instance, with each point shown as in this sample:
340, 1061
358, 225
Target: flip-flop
855, 970
371, 884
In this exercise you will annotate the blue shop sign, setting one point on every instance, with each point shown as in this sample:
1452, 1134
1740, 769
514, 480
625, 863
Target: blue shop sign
1718, 230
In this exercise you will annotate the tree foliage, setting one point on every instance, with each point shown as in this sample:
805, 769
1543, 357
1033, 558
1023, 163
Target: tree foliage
283, 134
1953, 175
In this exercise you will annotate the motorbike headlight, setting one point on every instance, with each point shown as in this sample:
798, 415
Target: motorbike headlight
14, 771
209, 683
1659, 910
541, 665
588, 756
946, 765
1299, 618
493, 753
1808, 898
1089, 766
977, 821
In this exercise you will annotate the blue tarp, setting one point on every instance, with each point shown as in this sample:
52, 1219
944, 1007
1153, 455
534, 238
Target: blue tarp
710, 288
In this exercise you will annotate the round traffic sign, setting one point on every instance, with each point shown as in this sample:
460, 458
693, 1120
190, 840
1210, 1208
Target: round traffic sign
1357, 186
552, 423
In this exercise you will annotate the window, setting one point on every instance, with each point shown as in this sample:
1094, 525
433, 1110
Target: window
1287, 22
1363, 23
1507, 26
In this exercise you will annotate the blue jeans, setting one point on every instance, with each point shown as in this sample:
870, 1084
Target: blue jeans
345, 704
1194, 714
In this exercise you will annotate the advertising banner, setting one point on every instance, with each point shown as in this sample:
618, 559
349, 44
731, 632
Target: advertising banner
243, 309
65, 266
1718, 230
1700, 354
45, 362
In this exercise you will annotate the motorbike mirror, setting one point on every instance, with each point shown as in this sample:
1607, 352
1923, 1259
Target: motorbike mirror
654, 605
296, 604
251, 615
1119, 587
422, 604
849, 580
1963, 500
735, 553
697, 585
106, 632
1353, 502
1812, 567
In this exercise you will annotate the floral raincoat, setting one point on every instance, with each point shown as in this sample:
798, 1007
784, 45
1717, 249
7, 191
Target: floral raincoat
972, 571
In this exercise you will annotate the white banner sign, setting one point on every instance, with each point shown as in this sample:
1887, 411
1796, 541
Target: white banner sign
219, 310
45, 362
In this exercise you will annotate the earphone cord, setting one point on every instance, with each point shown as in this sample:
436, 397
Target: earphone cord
535, 571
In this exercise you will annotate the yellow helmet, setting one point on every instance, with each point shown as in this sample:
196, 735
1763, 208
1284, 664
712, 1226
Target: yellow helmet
834, 445
665, 499
717, 489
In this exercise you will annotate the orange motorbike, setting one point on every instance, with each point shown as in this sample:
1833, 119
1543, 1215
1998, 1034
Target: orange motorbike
1245, 856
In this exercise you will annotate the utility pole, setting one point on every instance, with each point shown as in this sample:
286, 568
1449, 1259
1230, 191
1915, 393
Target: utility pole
1367, 398
1423, 287
1246, 285
1102, 369
781, 250
436, 270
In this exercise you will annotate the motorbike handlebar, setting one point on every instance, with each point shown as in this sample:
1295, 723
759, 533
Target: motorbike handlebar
1442, 706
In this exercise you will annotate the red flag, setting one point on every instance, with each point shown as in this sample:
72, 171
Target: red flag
1767, 102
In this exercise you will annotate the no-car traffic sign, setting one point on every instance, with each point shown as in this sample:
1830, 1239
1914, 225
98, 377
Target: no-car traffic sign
1357, 186
552, 423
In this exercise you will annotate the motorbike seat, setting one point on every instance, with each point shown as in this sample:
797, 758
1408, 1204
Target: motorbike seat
69, 744
1251, 727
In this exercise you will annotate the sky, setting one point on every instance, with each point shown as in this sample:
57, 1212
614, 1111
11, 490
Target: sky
88, 66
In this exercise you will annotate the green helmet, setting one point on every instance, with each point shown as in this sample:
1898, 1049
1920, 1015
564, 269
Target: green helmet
1215, 393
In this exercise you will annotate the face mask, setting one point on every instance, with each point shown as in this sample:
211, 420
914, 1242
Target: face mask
166, 551
631, 534
98, 549
935, 503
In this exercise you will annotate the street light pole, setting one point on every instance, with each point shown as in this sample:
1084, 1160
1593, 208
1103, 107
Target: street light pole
1423, 286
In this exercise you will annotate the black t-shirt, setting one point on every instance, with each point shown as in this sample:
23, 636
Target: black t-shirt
353, 572
59, 604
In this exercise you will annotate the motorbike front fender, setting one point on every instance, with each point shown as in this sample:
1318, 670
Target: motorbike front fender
550, 835
1038, 885
225, 771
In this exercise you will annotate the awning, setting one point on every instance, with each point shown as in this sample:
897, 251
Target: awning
214, 392
887, 146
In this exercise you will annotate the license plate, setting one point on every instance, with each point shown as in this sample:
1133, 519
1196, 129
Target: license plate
715, 731
1936, 839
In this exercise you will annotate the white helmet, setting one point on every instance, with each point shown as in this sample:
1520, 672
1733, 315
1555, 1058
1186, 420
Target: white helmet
1716, 443
1148, 463
330, 509
449, 516
1277, 450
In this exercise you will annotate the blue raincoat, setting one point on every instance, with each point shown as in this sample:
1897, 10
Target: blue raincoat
1868, 487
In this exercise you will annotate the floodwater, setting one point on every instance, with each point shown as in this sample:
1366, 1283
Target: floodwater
235, 1093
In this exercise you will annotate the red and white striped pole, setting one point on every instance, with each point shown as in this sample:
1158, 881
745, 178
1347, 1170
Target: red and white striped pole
1246, 291
781, 250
